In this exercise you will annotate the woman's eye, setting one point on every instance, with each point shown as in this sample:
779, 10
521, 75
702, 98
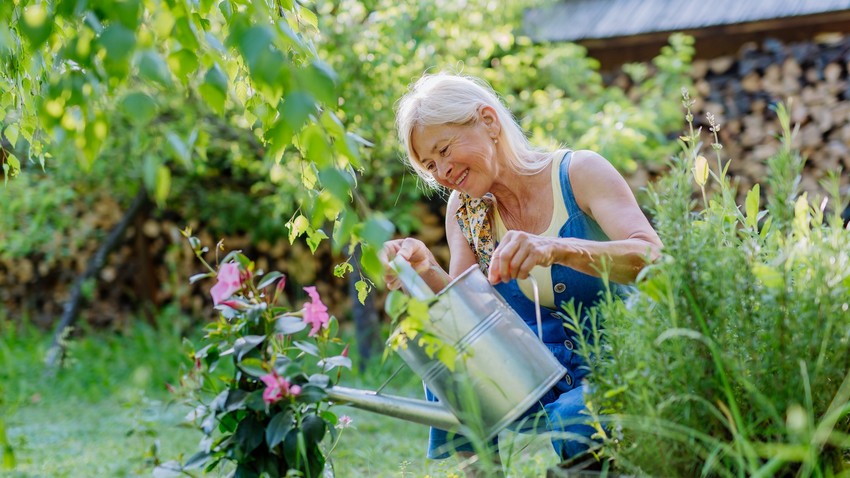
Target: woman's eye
444, 151
431, 167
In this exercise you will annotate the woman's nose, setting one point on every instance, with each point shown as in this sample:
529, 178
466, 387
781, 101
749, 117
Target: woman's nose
444, 170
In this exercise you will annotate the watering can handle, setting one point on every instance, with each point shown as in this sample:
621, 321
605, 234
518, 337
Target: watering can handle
537, 306
410, 279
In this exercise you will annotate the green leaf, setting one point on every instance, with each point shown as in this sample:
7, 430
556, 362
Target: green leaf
36, 24
163, 185
395, 304
377, 230
307, 347
245, 344
253, 367
278, 427
752, 206
371, 263
314, 428
314, 146
254, 42
312, 394
338, 182
119, 43
139, 108
153, 68
331, 363
288, 325
249, 434
214, 89
179, 149
255, 401
296, 227
342, 268
127, 12
320, 80
290, 445
363, 289
270, 279
183, 63
197, 460
169, 469
235, 400
314, 238
186, 34
197, 277
768, 276
217, 404
320, 380
295, 109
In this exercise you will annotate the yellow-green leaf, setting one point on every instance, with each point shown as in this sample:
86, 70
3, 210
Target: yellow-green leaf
362, 290
752, 206
700, 170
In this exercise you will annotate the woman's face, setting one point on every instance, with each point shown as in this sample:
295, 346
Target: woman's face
459, 157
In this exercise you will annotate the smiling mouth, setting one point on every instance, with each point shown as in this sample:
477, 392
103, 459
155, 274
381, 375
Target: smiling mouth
460, 178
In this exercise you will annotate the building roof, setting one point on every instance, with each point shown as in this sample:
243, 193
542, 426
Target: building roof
575, 20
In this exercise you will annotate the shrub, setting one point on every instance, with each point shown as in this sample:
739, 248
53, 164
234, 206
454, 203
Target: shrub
732, 357
266, 408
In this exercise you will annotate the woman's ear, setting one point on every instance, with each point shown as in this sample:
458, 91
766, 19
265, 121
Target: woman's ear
488, 117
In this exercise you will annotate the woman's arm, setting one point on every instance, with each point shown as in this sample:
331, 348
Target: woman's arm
423, 261
461, 254
603, 194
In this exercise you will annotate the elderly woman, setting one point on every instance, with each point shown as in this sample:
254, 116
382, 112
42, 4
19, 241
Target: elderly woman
517, 211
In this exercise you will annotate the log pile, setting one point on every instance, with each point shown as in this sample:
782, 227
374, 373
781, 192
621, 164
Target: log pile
148, 269
739, 90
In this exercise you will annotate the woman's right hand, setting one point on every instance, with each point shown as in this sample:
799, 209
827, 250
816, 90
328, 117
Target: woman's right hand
414, 251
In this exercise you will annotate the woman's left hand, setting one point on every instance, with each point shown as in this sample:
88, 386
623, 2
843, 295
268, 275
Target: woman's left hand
519, 252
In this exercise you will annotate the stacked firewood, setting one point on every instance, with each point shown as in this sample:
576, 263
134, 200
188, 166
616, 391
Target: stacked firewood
149, 268
810, 77
151, 265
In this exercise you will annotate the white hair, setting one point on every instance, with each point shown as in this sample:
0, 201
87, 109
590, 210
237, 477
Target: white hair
445, 98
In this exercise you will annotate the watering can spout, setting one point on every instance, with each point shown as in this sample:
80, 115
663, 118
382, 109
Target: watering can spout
410, 409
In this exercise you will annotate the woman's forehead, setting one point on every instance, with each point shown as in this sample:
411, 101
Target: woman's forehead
428, 135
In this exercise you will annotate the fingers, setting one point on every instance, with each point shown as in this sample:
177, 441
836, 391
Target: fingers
414, 251
514, 258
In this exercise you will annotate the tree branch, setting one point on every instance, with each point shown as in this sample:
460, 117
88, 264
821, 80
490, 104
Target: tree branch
72, 307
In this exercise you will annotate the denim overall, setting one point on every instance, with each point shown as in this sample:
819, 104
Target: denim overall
562, 404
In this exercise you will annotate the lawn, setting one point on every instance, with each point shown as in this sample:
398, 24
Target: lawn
108, 414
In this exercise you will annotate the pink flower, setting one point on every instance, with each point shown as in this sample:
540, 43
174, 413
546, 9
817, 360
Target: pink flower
277, 387
344, 422
229, 282
315, 312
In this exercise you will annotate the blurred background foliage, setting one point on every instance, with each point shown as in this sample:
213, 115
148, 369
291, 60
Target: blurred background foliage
195, 104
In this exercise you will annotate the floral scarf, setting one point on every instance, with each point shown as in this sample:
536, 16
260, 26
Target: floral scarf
474, 220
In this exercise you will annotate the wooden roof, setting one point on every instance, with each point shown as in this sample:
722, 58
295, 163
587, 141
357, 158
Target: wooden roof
574, 20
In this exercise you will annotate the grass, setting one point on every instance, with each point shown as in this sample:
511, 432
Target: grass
108, 414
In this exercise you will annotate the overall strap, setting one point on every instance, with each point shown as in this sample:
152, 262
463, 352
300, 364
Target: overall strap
566, 188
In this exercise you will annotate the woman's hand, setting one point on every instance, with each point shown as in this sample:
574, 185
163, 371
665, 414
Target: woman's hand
413, 250
519, 252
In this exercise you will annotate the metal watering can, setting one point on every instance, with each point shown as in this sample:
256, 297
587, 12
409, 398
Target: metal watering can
502, 369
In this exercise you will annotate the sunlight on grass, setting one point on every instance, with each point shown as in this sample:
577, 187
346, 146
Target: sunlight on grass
107, 413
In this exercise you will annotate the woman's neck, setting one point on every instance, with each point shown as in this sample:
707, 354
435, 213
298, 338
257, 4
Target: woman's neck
525, 201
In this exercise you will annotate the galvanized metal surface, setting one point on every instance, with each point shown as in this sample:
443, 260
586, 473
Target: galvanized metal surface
573, 20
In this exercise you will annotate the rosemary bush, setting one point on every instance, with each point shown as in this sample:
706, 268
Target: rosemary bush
732, 358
